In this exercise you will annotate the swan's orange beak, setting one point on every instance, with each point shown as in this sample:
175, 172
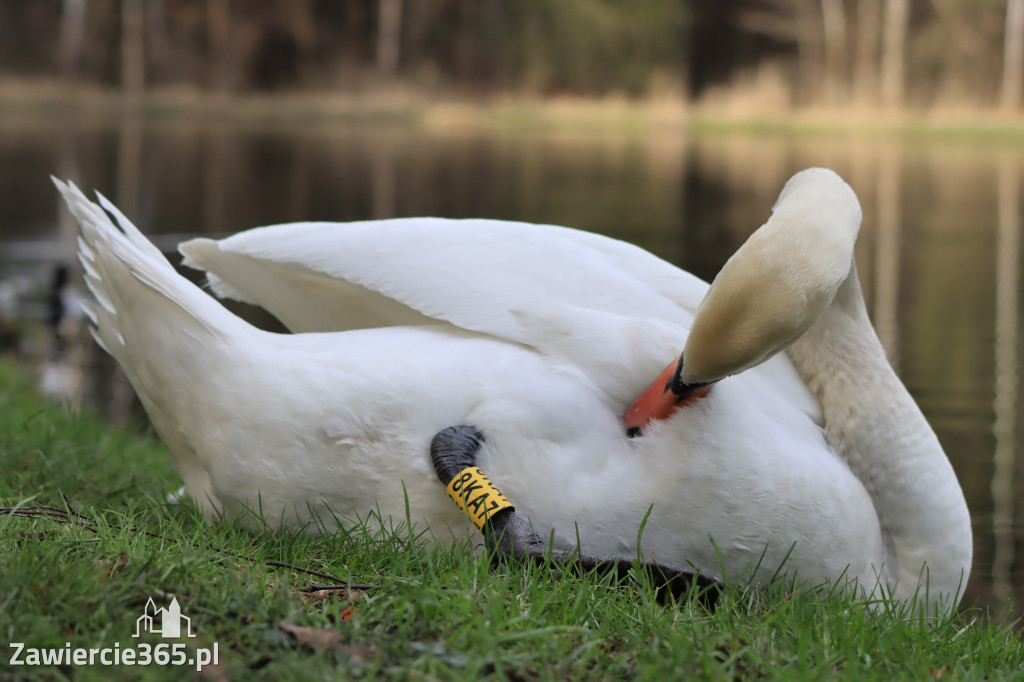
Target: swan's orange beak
662, 398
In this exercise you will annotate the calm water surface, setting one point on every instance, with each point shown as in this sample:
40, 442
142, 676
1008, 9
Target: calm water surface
939, 254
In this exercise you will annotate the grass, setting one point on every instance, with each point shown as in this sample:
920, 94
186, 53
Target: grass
82, 576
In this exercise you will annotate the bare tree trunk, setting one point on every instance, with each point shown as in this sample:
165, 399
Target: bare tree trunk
833, 20
160, 54
133, 55
807, 41
1013, 54
72, 30
302, 24
218, 31
869, 14
389, 32
894, 39
496, 71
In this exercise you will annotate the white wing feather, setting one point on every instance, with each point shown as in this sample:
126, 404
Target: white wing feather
471, 273
614, 310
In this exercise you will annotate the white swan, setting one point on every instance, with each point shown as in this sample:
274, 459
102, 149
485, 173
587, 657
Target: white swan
541, 337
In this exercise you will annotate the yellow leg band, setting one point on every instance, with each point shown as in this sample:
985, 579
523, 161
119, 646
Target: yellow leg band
477, 496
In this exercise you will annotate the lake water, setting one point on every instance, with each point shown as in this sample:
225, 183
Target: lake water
939, 254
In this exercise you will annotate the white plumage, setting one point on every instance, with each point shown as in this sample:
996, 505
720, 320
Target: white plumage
540, 337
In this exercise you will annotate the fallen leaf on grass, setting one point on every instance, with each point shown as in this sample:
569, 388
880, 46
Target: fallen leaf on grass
319, 639
311, 596
315, 596
112, 568
325, 639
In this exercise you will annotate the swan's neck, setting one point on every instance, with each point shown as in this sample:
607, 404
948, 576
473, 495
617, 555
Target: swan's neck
875, 426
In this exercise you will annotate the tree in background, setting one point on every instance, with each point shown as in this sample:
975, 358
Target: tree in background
866, 50
389, 34
1013, 55
133, 53
895, 19
831, 52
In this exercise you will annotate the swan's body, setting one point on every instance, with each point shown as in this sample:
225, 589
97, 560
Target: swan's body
540, 337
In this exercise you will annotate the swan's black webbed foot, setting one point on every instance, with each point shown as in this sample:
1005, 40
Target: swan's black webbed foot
508, 536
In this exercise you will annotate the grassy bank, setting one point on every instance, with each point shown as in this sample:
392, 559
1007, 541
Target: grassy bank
94, 539
734, 111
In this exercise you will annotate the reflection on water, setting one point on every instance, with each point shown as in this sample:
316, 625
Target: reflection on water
1007, 349
939, 253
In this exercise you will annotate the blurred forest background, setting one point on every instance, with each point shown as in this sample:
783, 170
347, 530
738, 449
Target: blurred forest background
918, 54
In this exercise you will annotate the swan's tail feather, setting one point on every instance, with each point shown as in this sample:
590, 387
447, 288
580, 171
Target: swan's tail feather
138, 294
170, 338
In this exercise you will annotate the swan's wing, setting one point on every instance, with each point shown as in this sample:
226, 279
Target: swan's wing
612, 309
471, 273
302, 298
538, 285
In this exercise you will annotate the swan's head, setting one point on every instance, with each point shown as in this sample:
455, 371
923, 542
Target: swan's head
768, 294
